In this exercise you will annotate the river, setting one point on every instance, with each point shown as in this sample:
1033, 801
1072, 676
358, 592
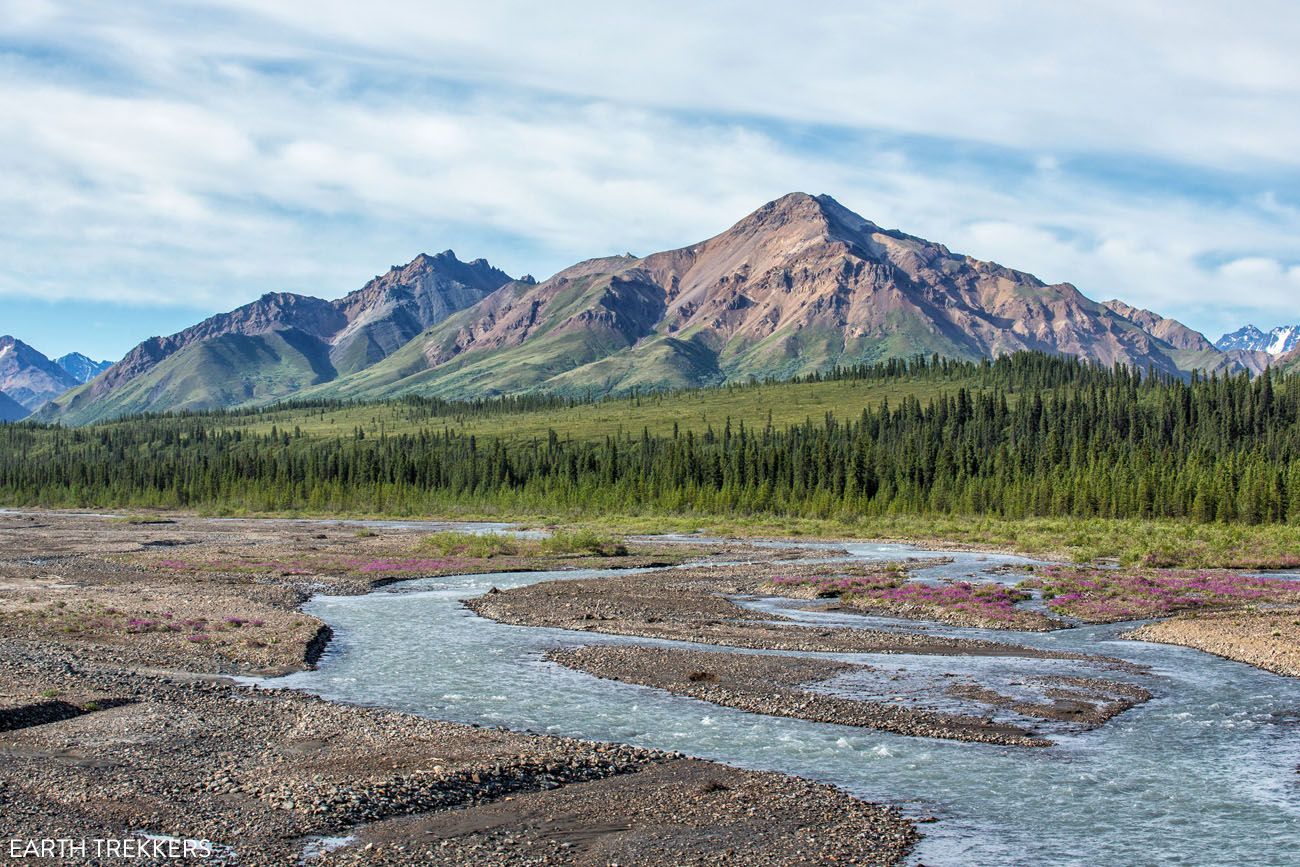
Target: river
1203, 774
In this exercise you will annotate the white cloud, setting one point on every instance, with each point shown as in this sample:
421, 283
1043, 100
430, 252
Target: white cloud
1211, 83
206, 153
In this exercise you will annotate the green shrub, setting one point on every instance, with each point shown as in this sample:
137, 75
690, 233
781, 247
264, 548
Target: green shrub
477, 545
582, 542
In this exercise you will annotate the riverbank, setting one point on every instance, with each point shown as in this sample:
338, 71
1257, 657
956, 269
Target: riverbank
693, 604
1267, 639
116, 722
1160, 543
778, 686
263, 774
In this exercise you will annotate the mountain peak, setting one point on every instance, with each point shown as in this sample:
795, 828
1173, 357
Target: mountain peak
821, 214
27, 376
81, 367
791, 206
425, 259
1279, 341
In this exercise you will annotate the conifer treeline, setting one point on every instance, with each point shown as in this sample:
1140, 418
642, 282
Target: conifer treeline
1030, 435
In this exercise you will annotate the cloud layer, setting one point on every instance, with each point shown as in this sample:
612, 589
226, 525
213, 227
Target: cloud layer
203, 153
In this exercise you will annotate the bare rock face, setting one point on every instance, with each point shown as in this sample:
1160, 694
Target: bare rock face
387, 312
27, 377
1199, 351
1171, 331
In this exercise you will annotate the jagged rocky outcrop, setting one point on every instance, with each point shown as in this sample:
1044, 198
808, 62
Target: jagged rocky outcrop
1194, 351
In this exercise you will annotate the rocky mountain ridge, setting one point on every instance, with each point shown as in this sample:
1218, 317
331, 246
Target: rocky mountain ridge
1276, 342
281, 343
802, 284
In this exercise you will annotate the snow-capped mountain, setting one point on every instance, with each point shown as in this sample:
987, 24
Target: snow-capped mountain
82, 368
1279, 341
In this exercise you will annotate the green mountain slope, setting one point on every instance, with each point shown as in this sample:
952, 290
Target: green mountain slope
228, 370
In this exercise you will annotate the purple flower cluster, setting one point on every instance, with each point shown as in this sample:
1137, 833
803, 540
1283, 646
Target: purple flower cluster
982, 601
1102, 596
990, 601
840, 585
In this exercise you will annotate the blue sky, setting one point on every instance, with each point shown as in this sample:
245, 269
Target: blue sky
162, 162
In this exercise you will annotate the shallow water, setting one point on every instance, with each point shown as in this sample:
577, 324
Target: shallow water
1204, 773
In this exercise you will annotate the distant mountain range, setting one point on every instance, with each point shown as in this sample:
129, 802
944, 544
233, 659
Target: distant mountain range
1280, 341
81, 368
28, 379
800, 285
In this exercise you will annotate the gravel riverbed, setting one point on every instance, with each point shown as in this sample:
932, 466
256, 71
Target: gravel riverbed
115, 724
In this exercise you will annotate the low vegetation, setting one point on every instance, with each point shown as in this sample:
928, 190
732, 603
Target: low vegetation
555, 544
1108, 595
985, 604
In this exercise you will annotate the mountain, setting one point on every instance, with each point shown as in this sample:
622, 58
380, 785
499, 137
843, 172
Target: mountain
1194, 351
29, 378
281, 343
1171, 331
11, 410
1279, 341
82, 368
800, 285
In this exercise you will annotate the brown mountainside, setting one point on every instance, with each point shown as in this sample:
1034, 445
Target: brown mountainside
801, 284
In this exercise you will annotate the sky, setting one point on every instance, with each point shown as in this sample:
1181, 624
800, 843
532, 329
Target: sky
160, 162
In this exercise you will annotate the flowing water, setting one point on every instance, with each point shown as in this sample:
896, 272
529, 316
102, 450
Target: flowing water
1205, 773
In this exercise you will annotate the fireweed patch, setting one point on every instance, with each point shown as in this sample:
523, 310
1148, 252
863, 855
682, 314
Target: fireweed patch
1104, 596
989, 604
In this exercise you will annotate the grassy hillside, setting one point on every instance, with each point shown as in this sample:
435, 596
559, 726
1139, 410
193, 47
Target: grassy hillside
784, 403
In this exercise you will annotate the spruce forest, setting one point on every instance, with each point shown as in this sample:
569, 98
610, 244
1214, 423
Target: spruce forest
1025, 435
